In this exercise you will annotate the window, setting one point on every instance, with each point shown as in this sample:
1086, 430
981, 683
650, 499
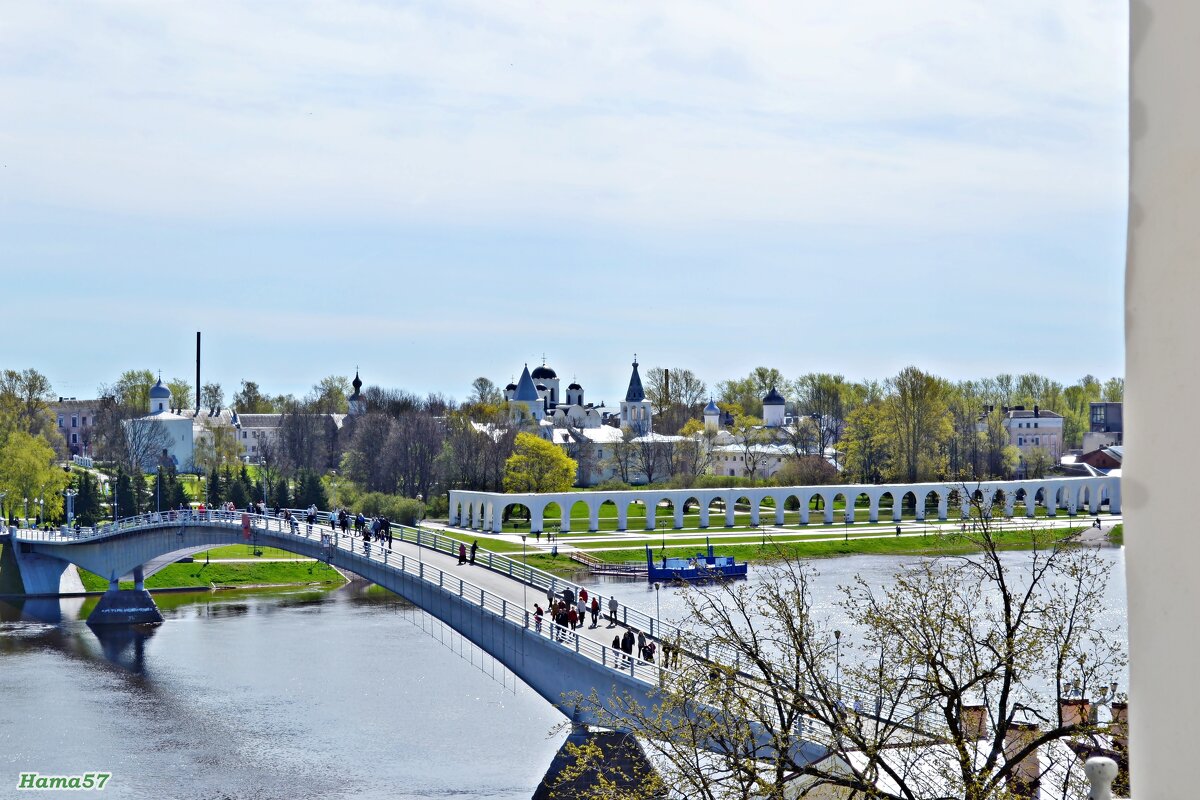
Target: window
74, 420
1035, 424
84, 421
74, 438
60, 420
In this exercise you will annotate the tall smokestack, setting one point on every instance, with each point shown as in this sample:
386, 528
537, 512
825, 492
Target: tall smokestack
197, 372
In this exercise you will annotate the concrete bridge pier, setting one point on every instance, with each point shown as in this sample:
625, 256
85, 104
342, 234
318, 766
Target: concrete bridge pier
119, 606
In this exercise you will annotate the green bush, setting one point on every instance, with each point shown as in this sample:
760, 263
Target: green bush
404, 510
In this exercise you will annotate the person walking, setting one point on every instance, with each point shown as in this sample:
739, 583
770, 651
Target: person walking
616, 645
581, 608
537, 618
462, 553
627, 644
595, 609
474, 547
612, 612
641, 641
573, 618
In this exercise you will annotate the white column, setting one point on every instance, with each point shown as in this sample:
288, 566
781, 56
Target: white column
1161, 287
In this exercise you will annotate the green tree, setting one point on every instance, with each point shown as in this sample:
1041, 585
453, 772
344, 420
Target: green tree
331, 393
132, 389
917, 423
1114, 390
28, 469
123, 495
866, 444
747, 393
87, 499
538, 466
280, 494
181, 392
250, 400
24, 399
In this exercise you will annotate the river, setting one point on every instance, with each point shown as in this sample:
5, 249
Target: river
296, 695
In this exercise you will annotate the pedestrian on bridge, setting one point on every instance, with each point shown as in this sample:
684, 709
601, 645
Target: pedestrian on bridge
595, 609
537, 617
573, 618
581, 608
462, 553
474, 547
627, 643
612, 612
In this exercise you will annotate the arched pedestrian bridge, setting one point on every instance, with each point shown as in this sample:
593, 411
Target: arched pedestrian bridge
487, 603
485, 511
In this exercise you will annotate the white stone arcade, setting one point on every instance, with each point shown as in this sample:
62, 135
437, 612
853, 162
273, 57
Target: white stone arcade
486, 510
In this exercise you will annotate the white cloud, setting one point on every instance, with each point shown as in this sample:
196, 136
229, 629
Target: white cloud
676, 115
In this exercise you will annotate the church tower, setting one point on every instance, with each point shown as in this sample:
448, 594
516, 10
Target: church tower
773, 408
160, 398
635, 408
712, 417
526, 400
358, 405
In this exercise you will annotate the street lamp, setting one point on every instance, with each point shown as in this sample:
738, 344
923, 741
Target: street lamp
524, 578
70, 495
837, 679
657, 607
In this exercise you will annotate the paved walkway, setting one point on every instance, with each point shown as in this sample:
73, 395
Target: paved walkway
512, 590
633, 541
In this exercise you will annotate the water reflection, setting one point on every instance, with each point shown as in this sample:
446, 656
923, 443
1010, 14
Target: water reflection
125, 645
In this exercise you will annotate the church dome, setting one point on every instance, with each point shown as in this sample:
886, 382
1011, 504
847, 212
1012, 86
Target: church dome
544, 373
711, 408
159, 392
575, 387
512, 387
541, 387
773, 398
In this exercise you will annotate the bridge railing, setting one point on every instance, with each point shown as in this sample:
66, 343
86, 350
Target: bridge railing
377, 553
630, 617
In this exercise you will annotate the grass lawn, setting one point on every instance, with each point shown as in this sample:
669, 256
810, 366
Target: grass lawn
1117, 534
219, 574
237, 551
934, 544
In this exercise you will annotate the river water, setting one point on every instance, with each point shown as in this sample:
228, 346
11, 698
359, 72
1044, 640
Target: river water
287, 695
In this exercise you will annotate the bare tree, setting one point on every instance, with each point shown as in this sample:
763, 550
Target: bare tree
949, 681
675, 394
144, 444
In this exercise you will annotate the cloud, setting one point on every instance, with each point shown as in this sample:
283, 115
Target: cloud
670, 116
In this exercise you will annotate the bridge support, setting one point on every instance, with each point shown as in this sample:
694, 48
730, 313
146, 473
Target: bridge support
126, 606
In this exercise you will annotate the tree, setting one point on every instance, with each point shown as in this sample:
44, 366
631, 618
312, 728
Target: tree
212, 395
675, 395
87, 499
752, 439
485, 393
925, 694
1114, 390
331, 395
249, 400
694, 455
132, 390
216, 447
867, 452
917, 422
24, 399
181, 392
143, 440
1038, 462
538, 466
821, 397
747, 393
29, 470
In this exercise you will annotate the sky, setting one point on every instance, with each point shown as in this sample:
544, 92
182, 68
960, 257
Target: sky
431, 192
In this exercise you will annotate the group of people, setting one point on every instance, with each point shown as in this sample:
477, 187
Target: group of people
373, 529
569, 611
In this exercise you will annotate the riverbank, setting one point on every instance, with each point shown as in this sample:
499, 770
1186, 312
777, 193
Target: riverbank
767, 549
230, 574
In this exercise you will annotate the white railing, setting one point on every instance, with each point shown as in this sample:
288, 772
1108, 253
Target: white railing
696, 649
380, 555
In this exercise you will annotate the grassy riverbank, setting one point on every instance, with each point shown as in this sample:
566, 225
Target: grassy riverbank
935, 544
224, 574
1117, 534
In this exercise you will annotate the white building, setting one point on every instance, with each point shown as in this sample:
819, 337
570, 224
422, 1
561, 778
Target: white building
1029, 431
179, 444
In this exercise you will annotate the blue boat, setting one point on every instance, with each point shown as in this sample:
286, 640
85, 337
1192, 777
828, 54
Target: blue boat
701, 567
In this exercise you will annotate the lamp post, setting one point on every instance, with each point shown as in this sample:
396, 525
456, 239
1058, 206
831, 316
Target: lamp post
525, 577
420, 508
3, 508
837, 674
657, 607
25, 517
70, 495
